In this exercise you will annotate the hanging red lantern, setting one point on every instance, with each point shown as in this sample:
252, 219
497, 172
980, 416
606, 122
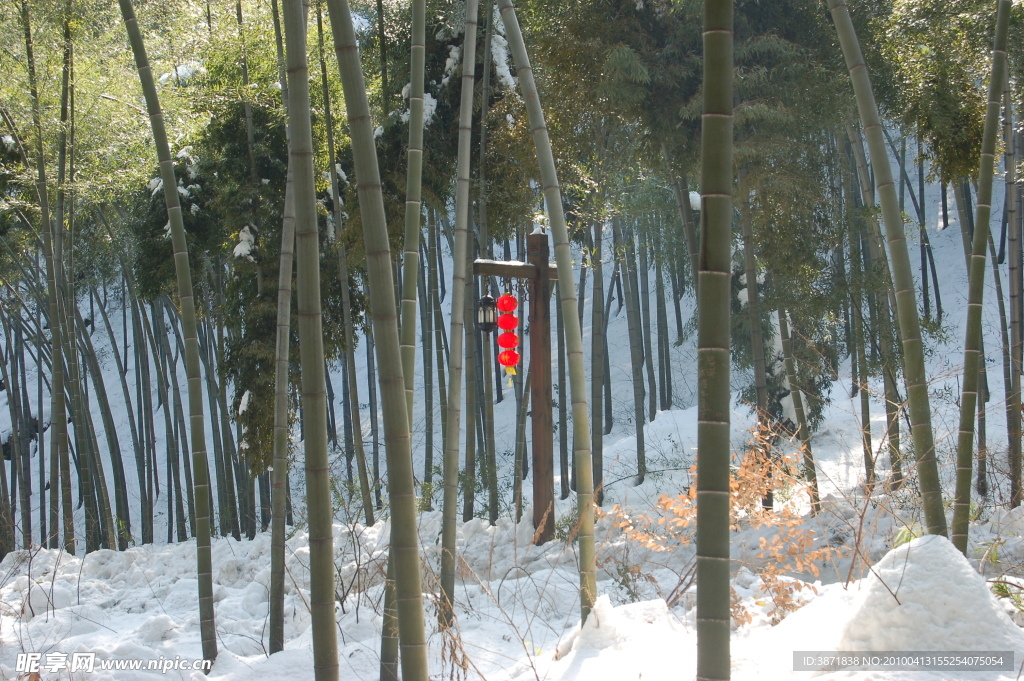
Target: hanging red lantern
508, 359
508, 321
507, 303
508, 340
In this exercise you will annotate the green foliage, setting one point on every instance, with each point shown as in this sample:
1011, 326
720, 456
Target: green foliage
791, 209
938, 52
1002, 589
234, 221
567, 525
154, 262
906, 534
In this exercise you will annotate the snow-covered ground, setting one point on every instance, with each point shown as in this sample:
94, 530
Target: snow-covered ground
869, 585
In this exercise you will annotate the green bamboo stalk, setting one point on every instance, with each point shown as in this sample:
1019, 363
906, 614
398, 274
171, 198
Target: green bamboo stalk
60, 496
282, 353
981, 484
627, 266
903, 281
598, 352
567, 291
311, 350
803, 432
113, 444
413, 205
449, 502
487, 353
641, 243
353, 387
124, 532
1014, 285
346, 302
18, 477
713, 393
883, 305
435, 307
204, 567
404, 553
976, 285
282, 427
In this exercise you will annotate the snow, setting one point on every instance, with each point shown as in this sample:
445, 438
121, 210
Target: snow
429, 107
140, 604
499, 53
695, 200
914, 599
451, 64
183, 72
517, 607
243, 404
246, 242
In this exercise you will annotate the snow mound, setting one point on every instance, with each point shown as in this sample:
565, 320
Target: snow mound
632, 641
914, 600
923, 595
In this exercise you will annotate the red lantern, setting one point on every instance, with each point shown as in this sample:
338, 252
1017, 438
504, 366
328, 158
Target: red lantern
508, 321
508, 340
508, 359
507, 303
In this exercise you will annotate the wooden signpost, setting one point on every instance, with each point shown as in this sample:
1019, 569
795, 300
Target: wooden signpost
538, 272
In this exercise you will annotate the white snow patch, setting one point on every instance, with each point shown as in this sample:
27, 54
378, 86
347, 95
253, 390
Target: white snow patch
183, 72
429, 107
499, 52
246, 242
451, 64
912, 600
243, 404
694, 200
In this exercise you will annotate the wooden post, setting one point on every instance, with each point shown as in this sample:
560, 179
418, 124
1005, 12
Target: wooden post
539, 272
537, 253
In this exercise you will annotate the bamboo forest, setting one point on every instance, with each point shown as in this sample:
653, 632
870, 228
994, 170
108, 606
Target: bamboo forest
603, 340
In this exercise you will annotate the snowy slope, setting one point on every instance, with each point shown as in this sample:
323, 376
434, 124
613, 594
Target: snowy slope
517, 608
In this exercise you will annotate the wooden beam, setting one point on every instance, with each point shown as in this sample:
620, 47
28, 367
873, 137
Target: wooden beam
512, 270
